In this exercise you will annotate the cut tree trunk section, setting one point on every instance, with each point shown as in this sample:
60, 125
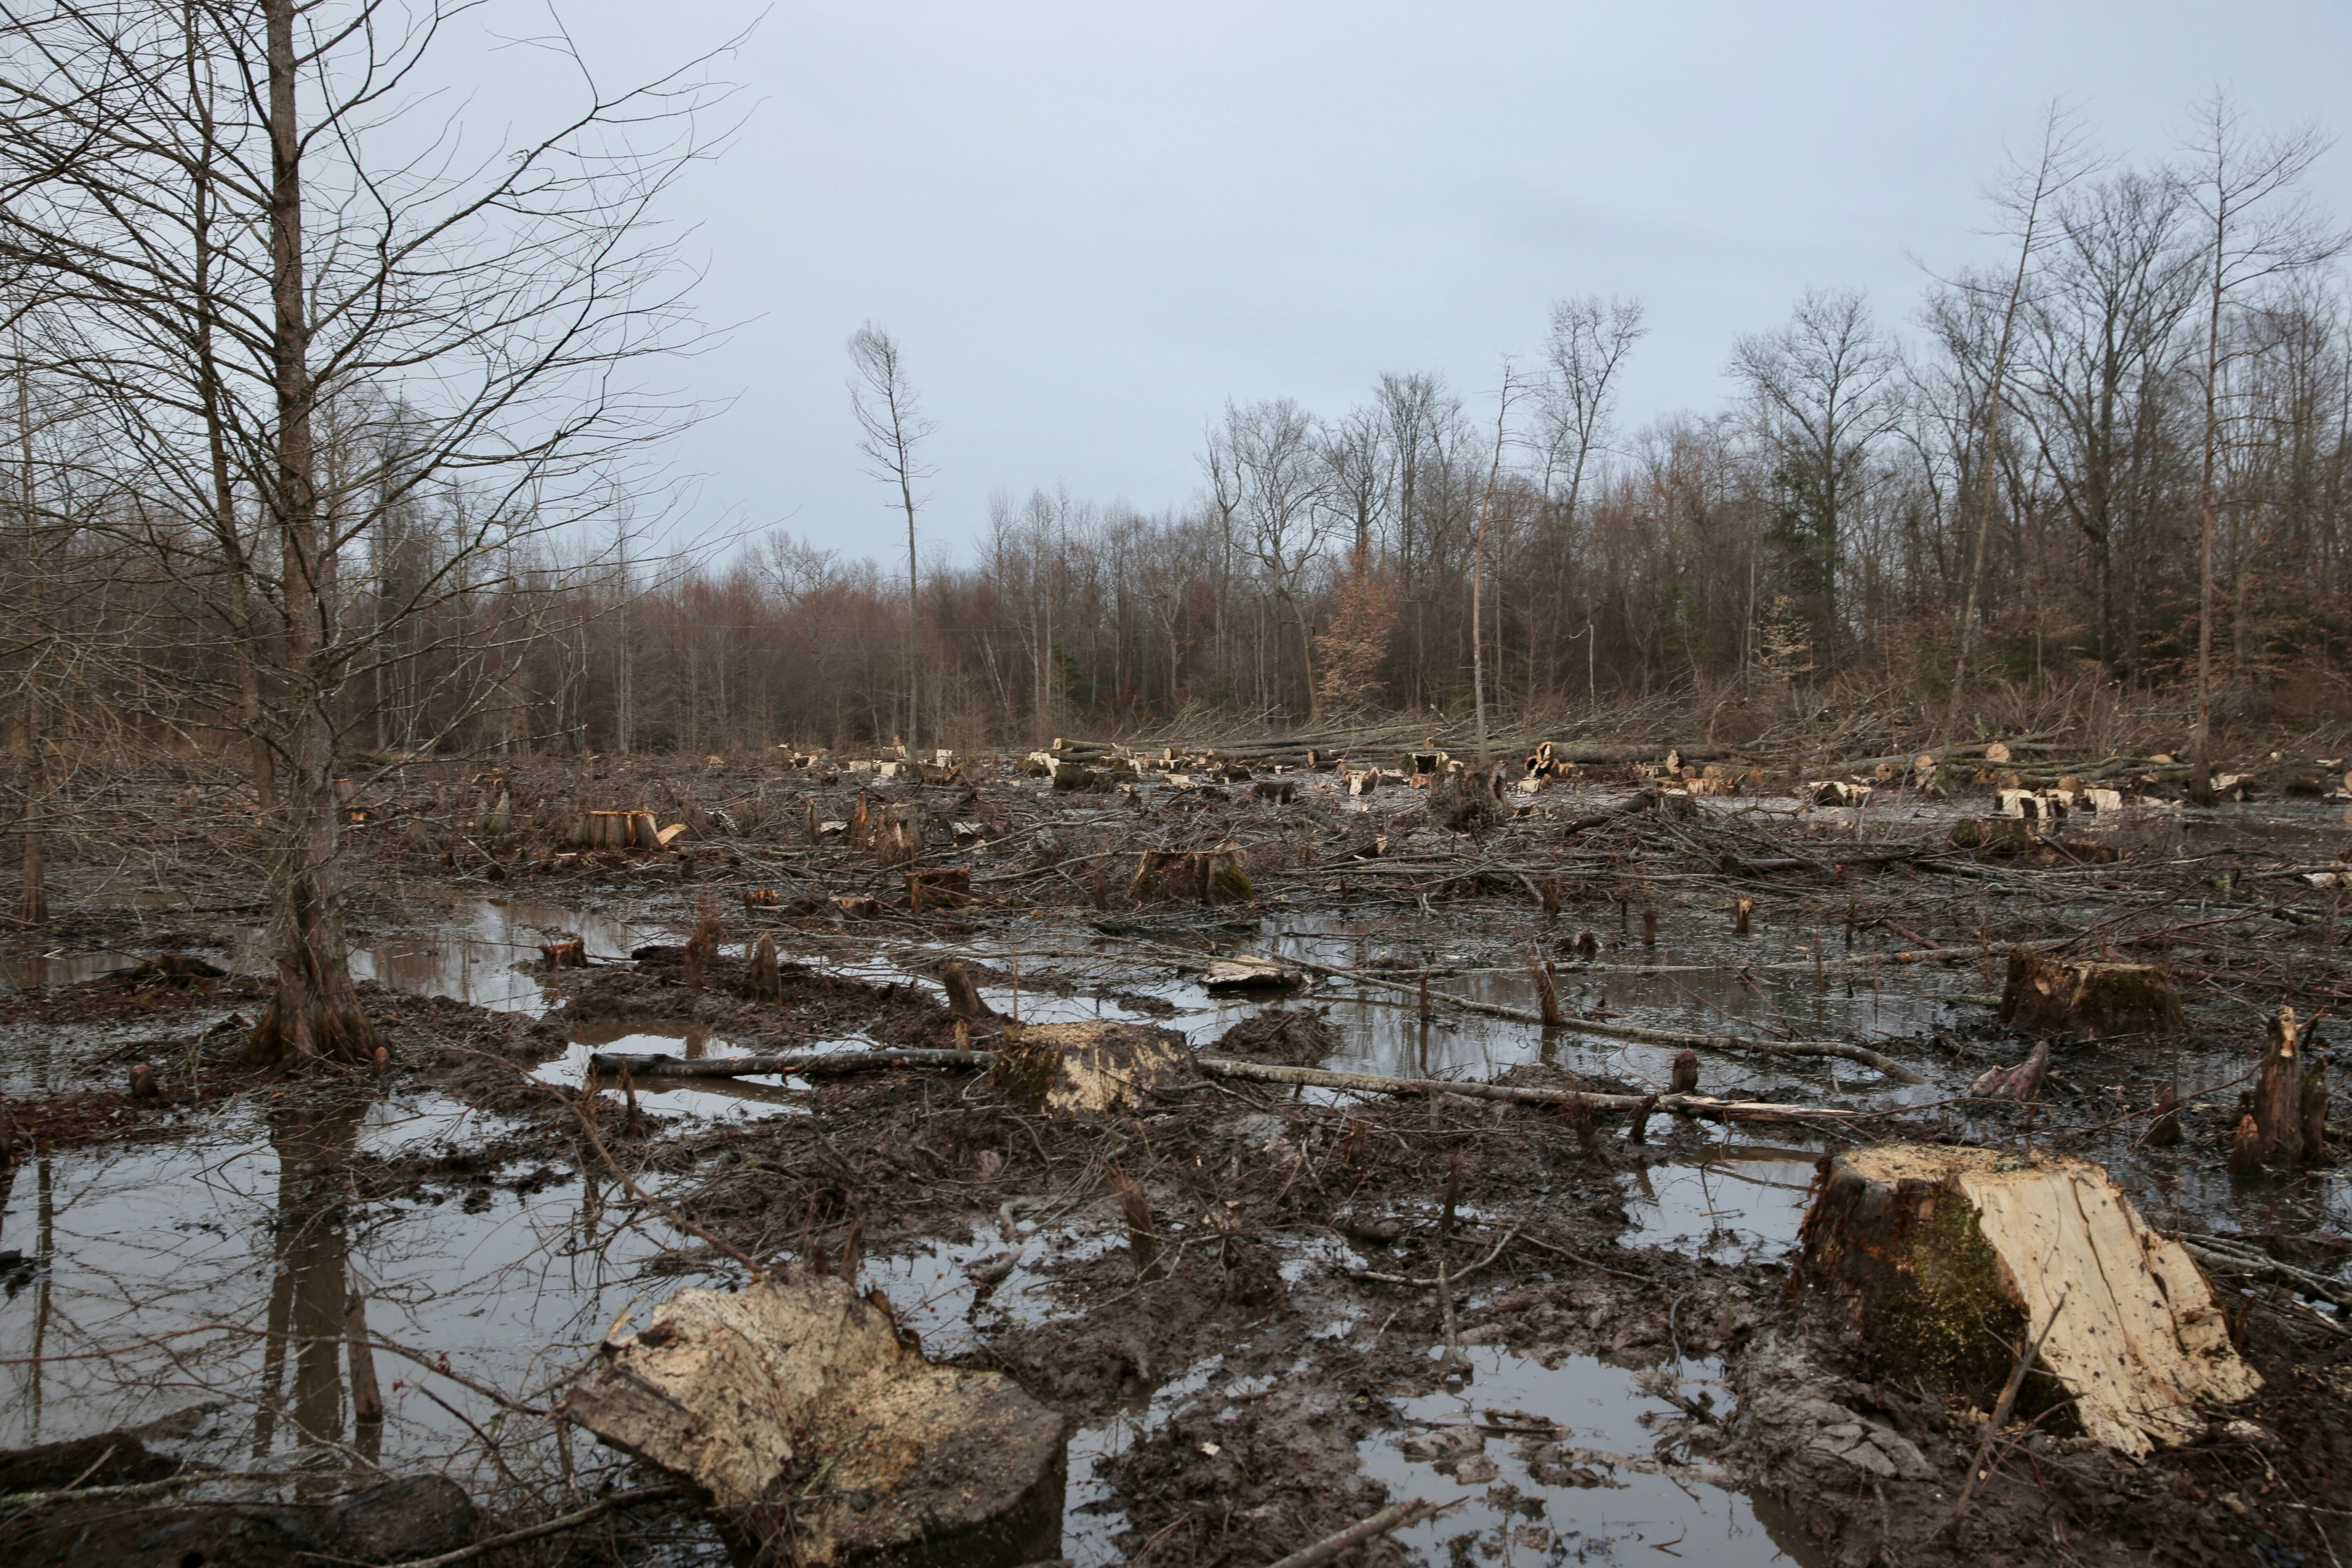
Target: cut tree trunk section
1203, 876
1947, 1254
2052, 995
614, 830
1098, 1067
823, 1437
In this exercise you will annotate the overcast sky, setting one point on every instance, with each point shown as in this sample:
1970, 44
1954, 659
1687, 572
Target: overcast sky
1090, 225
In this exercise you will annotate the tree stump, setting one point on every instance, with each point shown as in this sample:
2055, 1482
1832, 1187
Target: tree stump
824, 1437
761, 980
2048, 996
857, 906
1099, 1066
1203, 876
1994, 835
1946, 1257
900, 831
947, 887
963, 997
568, 952
2278, 1092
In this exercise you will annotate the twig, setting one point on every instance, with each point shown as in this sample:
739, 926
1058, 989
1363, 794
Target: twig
2027, 1353
1396, 1516
555, 1526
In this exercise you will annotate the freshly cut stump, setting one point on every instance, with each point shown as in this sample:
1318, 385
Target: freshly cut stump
823, 1439
1947, 1254
1098, 1067
2054, 995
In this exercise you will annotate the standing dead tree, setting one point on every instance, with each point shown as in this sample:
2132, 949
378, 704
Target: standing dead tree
890, 426
221, 235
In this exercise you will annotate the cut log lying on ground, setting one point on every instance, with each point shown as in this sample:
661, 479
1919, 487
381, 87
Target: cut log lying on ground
1161, 1071
1240, 973
1101, 1066
2060, 995
1947, 1253
1705, 1108
808, 1063
1862, 1053
1631, 805
946, 888
823, 1437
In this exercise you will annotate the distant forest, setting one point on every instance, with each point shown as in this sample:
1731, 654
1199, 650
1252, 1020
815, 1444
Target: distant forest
2045, 475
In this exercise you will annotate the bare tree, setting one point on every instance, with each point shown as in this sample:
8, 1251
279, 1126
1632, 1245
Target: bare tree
1510, 393
1820, 385
890, 427
215, 243
2022, 194
1283, 487
1590, 339
2258, 224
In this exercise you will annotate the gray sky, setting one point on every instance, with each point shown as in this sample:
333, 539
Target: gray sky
1088, 224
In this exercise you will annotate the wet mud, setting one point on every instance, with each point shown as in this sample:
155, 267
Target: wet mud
264, 1295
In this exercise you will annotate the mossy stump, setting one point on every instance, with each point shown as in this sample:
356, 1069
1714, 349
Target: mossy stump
2049, 995
947, 887
1944, 1256
1203, 876
1994, 835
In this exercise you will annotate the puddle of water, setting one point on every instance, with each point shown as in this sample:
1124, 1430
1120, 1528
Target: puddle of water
1585, 1482
719, 1099
487, 953
143, 1241
1739, 1203
61, 969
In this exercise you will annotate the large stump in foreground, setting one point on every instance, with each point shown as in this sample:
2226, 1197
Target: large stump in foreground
822, 1437
1943, 1256
2052, 995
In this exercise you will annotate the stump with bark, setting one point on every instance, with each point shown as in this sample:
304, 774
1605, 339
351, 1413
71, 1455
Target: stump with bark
2050, 995
1204, 875
1946, 1257
763, 982
1098, 1067
2278, 1092
900, 831
565, 952
948, 888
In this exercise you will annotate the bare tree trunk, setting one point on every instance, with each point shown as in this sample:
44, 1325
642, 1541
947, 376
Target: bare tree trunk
32, 894
316, 1010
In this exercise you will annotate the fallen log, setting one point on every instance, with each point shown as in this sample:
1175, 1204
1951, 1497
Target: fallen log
1946, 1254
1705, 1108
1862, 1053
808, 1063
1632, 805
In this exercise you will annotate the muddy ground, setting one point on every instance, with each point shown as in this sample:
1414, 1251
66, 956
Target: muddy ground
1633, 1364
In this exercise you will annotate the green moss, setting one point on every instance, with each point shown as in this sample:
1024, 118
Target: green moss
1022, 1073
1951, 1329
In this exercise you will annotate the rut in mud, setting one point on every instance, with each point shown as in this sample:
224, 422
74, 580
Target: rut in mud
1264, 1311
